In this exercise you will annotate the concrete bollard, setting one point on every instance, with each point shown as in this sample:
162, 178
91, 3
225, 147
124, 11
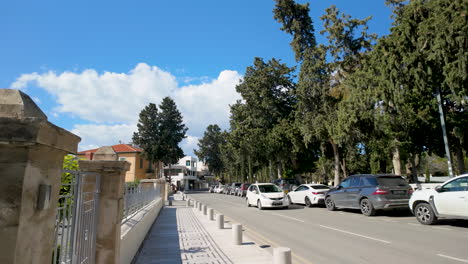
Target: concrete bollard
170, 202
237, 234
211, 214
195, 204
205, 209
220, 221
200, 205
188, 202
282, 255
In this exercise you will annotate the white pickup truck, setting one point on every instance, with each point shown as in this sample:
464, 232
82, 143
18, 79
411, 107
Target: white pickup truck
448, 200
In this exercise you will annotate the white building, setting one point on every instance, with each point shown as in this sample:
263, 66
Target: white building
189, 174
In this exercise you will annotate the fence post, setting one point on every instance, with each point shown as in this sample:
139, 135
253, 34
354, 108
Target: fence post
31, 160
237, 234
220, 221
211, 214
111, 203
282, 255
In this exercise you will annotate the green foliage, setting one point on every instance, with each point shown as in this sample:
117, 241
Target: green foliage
209, 148
171, 131
160, 132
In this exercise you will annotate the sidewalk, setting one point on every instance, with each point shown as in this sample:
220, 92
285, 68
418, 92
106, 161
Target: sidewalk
183, 234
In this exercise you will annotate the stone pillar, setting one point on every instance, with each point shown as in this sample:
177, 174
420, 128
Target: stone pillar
111, 204
31, 155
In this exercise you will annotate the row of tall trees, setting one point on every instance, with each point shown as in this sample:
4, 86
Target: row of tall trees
160, 132
358, 103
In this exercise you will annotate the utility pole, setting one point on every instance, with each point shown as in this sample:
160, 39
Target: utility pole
444, 132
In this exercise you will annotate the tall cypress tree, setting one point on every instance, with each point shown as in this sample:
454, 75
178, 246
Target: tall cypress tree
171, 132
148, 137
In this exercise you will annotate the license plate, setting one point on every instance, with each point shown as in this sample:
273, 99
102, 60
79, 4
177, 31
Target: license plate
277, 203
399, 192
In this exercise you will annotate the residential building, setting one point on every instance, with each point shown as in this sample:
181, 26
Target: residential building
187, 174
140, 168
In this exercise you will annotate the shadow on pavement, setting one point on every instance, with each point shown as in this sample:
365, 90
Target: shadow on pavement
161, 245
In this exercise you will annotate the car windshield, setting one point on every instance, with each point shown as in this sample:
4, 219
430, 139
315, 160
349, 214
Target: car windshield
237, 184
319, 187
392, 181
269, 188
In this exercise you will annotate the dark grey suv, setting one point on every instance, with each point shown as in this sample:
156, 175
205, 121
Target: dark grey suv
369, 193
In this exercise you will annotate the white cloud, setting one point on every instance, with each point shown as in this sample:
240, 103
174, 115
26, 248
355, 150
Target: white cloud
189, 144
94, 135
112, 101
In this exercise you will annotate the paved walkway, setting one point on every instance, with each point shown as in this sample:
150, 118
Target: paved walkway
184, 235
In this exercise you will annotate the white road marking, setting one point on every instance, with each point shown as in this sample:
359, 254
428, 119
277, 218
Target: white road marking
299, 220
453, 258
441, 228
359, 235
435, 227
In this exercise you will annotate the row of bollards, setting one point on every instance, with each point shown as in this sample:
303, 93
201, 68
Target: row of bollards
281, 255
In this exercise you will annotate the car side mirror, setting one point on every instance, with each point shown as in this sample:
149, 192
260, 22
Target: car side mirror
338, 187
294, 189
439, 189
256, 192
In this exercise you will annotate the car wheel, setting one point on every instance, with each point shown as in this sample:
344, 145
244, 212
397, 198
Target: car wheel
425, 214
367, 208
330, 204
290, 201
307, 201
259, 205
248, 204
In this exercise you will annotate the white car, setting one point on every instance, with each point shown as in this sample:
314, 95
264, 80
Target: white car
219, 189
308, 194
266, 195
449, 200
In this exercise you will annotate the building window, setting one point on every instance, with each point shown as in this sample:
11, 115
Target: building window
121, 159
187, 163
141, 163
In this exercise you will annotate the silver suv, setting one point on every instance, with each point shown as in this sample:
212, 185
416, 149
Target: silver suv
369, 193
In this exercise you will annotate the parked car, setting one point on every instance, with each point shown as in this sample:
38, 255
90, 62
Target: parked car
234, 187
226, 189
308, 194
287, 185
448, 200
220, 188
242, 191
212, 188
266, 195
369, 193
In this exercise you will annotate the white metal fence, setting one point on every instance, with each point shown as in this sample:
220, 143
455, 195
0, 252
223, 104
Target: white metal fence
137, 196
76, 220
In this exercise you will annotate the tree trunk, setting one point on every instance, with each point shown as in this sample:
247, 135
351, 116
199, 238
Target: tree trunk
280, 169
414, 159
396, 160
243, 174
270, 165
343, 168
250, 168
336, 154
460, 160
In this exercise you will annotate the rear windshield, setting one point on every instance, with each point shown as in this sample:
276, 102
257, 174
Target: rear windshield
269, 188
392, 181
319, 187
237, 184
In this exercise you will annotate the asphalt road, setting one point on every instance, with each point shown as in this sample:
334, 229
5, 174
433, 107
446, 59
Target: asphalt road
318, 236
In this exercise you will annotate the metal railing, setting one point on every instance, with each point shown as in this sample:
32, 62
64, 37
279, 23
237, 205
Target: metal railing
138, 196
76, 220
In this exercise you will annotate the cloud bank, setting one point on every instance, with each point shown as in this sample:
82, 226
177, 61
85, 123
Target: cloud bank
111, 101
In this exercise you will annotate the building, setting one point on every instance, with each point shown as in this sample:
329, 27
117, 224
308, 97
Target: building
189, 174
140, 168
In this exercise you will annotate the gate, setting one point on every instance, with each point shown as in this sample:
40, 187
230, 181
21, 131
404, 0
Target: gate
76, 220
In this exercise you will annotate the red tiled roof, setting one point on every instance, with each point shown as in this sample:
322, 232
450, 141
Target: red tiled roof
117, 148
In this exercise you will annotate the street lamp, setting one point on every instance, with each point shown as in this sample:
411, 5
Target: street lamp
444, 132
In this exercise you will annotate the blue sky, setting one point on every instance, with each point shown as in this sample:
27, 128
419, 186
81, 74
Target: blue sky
93, 65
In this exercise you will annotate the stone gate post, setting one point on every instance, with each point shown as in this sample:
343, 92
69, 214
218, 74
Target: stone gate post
31, 160
111, 202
